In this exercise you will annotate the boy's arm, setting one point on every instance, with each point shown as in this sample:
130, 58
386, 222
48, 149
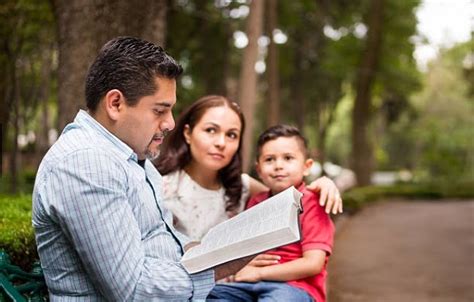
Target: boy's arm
310, 264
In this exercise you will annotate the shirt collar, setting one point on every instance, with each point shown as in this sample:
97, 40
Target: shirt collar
300, 187
85, 120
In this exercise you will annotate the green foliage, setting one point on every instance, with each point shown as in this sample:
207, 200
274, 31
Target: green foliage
357, 198
435, 137
16, 232
26, 181
27, 36
338, 141
200, 38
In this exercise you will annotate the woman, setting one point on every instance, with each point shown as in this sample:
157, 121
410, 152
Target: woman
202, 168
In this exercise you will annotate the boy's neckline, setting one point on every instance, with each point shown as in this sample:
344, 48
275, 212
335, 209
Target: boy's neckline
298, 187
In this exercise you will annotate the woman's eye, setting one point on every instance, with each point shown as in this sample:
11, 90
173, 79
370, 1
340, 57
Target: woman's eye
232, 135
288, 157
210, 130
158, 112
269, 159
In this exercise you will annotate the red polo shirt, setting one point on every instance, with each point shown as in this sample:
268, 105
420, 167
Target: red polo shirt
317, 232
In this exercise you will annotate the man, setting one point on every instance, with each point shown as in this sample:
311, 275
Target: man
101, 230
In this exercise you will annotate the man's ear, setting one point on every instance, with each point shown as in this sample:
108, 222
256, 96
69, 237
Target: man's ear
307, 166
114, 102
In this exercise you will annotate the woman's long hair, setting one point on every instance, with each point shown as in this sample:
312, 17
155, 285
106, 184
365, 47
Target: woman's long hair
175, 153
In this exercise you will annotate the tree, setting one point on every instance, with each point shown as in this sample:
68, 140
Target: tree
200, 36
362, 157
444, 123
273, 90
26, 39
314, 65
248, 78
84, 26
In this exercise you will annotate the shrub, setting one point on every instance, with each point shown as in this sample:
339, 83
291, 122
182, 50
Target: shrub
360, 196
16, 233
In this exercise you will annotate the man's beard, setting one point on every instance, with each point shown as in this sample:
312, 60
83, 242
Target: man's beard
152, 155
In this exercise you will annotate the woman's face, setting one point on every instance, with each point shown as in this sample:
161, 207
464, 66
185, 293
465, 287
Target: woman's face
215, 138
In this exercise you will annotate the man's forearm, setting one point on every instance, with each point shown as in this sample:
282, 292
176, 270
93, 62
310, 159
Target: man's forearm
231, 267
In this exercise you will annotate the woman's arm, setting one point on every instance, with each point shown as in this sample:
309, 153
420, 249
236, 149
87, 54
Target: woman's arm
255, 186
329, 193
310, 264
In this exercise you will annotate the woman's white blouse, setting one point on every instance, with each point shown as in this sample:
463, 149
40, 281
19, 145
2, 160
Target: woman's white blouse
196, 209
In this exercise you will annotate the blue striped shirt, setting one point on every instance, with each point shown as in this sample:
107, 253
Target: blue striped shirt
101, 230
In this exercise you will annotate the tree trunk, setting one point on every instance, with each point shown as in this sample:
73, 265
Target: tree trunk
6, 98
7, 90
273, 90
296, 88
77, 46
9, 46
362, 153
15, 154
42, 141
248, 78
84, 26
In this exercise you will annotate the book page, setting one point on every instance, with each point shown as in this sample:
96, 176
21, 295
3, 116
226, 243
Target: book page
266, 217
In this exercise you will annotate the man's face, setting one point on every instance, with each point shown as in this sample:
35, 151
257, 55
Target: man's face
144, 125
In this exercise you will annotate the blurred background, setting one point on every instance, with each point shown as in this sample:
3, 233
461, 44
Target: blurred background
383, 89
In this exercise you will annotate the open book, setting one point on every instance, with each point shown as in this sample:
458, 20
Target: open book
270, 224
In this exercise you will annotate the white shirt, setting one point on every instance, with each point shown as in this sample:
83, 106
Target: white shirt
196, 209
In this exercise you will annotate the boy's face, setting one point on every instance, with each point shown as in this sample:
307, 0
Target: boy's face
282, 163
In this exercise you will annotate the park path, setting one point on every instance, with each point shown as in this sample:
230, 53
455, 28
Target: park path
405, 251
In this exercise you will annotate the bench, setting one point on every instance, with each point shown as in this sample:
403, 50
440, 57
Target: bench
18, 285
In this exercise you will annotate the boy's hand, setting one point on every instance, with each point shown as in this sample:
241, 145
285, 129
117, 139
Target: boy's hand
248, 274
329, 194
264, 260
252, 271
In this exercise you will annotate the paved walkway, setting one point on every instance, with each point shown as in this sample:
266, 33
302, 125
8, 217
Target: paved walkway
405, 251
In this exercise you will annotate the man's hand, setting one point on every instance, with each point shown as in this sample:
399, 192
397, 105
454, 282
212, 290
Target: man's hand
231, 267
329, 194
260, 260
190, 245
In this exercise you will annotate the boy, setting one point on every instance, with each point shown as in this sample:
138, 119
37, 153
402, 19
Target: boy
300, 275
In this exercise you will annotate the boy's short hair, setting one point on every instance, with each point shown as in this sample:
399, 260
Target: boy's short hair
277, 131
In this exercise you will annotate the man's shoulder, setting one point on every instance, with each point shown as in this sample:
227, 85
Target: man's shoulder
78, 148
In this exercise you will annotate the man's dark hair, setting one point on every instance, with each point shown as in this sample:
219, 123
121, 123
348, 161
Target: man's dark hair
130, 65
277, 131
